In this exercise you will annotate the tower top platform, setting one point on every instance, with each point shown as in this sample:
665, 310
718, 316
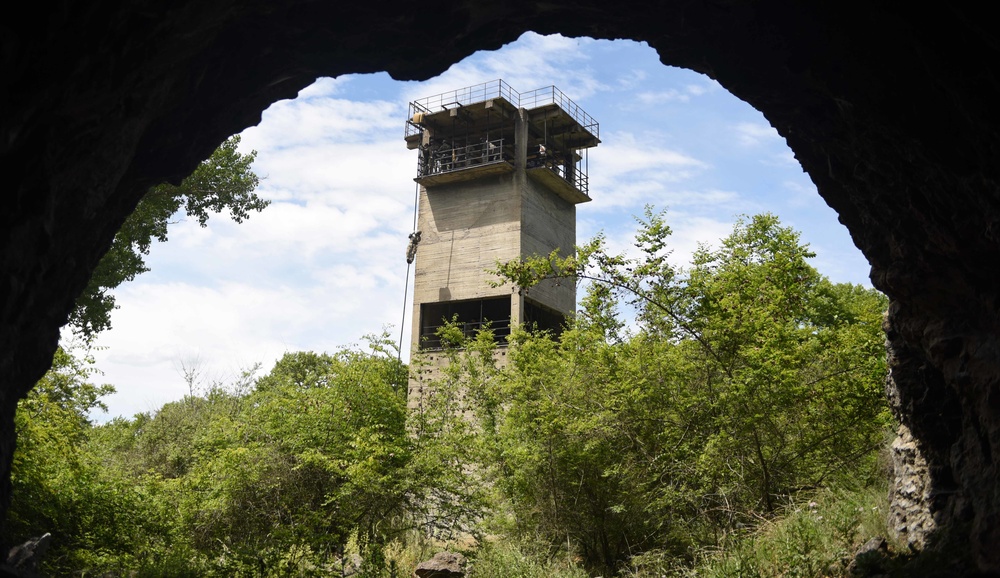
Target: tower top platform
552, 113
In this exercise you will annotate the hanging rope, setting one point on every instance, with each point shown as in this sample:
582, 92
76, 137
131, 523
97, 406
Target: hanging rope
411, 252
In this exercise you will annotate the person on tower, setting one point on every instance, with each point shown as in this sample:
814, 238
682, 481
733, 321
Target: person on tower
411, 249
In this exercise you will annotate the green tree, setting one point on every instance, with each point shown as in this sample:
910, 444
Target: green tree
749, 377
95, 519
801, 363
314, 456
279, 475
225, 181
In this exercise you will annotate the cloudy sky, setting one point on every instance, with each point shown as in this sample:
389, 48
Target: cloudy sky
324, 264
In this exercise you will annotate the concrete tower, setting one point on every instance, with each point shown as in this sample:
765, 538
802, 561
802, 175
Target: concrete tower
500, 175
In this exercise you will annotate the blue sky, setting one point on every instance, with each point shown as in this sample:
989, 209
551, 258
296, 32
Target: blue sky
324, 264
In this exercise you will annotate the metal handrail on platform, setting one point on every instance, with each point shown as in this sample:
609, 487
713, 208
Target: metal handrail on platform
460, 97
573, 175
453, 158
465, 96
429, 338
552, 95
499, 89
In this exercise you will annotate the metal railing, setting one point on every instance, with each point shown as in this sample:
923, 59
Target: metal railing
573, 174
465, 96
429, 339
452, 158
584, 181
494, 89
552, 95
461, 97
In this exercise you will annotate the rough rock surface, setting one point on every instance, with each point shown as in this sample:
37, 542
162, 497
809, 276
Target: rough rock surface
890, 108
23, 560
867, 559
442, 565
910, 514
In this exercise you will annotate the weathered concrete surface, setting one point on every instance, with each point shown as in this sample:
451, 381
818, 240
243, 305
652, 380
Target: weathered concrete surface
892, 111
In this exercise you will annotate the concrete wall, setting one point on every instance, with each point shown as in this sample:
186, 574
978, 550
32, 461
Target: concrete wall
466, 227
548, 222
428, 367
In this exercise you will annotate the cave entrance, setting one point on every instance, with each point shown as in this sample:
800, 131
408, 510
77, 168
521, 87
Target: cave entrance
324, 263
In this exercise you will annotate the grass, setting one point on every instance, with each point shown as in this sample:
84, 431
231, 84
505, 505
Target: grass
492, 558
817, 537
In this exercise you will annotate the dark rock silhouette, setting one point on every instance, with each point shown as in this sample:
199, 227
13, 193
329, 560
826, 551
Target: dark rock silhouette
23, 560
891, 109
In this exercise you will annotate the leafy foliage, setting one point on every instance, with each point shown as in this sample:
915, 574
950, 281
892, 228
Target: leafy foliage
225, 181
58, 488
817, 535
749, 378
670, 442
276, 478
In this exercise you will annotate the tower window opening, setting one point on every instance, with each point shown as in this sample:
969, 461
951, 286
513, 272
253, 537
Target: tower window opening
538, 317
470, 317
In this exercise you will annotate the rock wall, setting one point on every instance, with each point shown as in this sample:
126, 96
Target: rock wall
892, 111
924, 493
910, 516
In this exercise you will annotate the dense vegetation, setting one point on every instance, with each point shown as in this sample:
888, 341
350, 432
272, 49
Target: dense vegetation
683, 417
749, 379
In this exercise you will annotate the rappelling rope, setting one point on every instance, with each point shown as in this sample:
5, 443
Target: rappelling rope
411, 251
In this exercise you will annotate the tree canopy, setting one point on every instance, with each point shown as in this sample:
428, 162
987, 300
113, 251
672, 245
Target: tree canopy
223, 182
249, 478
680, 408
743, 380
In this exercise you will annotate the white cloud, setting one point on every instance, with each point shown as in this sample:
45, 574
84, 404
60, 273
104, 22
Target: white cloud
632, 171
323, 120
690, 231
231, 325
754, 134
625, 153
785, 158
631, 79
683, 94
670, 95
533, 61
802, 194
698, 89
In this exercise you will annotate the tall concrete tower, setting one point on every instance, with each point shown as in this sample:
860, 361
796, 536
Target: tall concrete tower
500, 175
